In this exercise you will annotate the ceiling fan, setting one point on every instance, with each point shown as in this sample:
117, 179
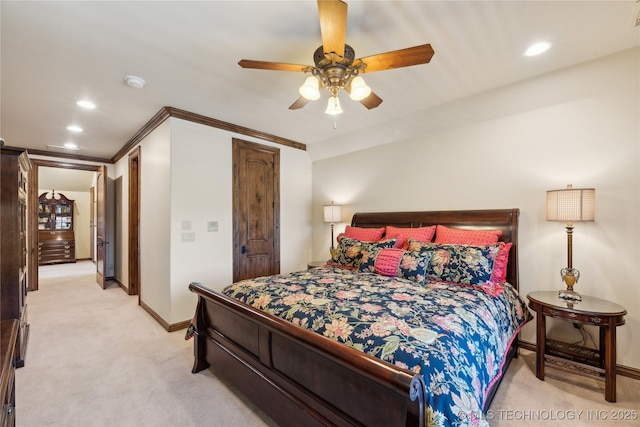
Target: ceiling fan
337, 68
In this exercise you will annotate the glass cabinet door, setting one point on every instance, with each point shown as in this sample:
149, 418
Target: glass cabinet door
44, 216
55, 212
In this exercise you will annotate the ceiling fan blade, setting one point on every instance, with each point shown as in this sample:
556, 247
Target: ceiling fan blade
371, 101
398, 58
333, 26
276, 66
300, 102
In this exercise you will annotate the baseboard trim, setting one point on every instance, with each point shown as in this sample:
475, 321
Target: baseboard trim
122, 285
626, 371
180, 325
165, 325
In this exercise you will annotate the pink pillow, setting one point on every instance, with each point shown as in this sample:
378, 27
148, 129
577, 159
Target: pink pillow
500, 267
388, 262
421, 234
364, 234
458, 236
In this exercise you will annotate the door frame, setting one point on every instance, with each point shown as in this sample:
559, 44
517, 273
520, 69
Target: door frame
101, 227
32, 207
92, 223
134, 222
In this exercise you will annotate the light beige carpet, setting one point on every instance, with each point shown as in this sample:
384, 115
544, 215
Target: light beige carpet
95, 358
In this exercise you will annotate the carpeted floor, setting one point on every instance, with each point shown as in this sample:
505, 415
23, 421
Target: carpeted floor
95, 358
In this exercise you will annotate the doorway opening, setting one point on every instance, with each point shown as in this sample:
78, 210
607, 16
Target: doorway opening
85, 229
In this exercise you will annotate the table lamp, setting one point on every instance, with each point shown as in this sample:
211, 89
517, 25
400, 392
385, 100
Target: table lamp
332, 214
571, 205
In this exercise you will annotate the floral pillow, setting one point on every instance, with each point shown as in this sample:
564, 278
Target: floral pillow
461, 264
350, 252
396, 263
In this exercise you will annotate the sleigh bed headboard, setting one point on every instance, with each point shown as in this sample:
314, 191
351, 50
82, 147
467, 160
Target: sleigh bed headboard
505, 220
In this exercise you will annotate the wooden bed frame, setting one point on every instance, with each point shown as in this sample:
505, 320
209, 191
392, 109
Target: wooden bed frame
298, 377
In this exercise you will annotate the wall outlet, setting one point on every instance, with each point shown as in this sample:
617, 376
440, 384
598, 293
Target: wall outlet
185, 225
189, 237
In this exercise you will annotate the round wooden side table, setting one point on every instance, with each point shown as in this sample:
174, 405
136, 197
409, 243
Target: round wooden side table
600, 363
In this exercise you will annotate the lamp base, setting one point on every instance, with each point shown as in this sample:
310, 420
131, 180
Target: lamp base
570, 277
569, 294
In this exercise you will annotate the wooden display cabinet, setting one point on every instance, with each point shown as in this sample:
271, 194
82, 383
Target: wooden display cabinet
14, 167
56, 239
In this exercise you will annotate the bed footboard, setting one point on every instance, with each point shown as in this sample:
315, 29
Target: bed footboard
296, 376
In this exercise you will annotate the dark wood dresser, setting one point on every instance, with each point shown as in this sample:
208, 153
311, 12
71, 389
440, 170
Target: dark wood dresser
15, 166
8, 336
56, 246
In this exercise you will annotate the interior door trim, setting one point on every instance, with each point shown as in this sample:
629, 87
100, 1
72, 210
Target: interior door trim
32, 207
135, 162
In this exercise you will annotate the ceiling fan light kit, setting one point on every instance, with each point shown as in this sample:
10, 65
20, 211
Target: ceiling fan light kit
336, 66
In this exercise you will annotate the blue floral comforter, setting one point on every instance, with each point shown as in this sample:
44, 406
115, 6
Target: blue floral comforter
456, 336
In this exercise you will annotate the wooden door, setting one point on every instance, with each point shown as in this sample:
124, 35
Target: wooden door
101, 226
32, 229
256, 210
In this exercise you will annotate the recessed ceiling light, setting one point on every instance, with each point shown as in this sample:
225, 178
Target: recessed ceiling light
86, 104
537, 48
74, 128
134, 82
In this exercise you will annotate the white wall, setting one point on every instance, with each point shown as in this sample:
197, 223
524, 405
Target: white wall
201, 191
155, 221
187, 177
579, 126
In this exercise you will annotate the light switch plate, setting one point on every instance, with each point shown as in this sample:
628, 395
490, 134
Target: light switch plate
212, 226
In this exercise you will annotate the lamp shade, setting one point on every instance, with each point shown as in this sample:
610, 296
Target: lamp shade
359, 89
333, 106
332, 213
309, 90
571, 204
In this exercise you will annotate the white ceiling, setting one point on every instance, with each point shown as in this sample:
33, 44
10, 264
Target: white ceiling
63, 179
54, 53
